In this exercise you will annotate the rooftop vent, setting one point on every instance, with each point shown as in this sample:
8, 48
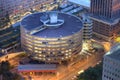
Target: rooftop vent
50, 20
53, 17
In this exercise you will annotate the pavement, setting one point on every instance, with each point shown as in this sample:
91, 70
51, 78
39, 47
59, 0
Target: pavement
9, 56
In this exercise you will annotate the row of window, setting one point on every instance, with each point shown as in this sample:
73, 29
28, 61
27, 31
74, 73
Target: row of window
111, 62
114, 74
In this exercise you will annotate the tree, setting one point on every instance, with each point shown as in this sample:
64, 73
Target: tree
5, 71
92, 73
16, 77
5, 67
8, 76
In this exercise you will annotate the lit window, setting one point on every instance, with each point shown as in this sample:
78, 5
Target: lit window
45, 43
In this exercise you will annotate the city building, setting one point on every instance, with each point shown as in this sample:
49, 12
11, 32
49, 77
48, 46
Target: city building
52, 37
11, 11
87, 30
9, 37
106, 18
111, 64
9, 40
17, 8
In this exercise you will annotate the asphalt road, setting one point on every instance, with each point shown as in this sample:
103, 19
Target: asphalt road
68, 72
73, 70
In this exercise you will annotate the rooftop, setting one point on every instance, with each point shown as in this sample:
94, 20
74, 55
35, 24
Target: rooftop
16, 24
71, 25
85, 3
114, 52
37, 67
105, 20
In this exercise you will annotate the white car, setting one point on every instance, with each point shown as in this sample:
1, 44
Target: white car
81, 71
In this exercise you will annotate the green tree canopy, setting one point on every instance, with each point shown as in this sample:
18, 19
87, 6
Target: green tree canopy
5, 71
92, 73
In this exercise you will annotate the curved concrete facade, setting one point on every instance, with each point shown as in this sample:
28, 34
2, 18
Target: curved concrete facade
52, 49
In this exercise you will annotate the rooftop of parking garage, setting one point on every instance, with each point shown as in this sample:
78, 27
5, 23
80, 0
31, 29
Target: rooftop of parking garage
70, 26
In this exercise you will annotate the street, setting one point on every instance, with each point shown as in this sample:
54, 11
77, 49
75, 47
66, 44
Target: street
83, 65
70, 72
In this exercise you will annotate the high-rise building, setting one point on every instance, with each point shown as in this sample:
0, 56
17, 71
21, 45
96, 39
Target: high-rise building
106, 18
109, 9
111, 64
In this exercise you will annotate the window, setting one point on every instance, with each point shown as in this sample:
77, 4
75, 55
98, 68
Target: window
51, 52
45, 43
71, 42
59, 52
58, 39
43, 52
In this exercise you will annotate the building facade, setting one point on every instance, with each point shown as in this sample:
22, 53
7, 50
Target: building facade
109, 9
9, 37
87, 30
17, 8
13, 7
51, 38
12, 11
106, 18
111, 64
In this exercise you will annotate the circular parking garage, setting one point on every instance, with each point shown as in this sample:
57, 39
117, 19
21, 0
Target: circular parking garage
51, 37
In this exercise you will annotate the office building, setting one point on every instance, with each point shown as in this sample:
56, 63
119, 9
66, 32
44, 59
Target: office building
51, 37
111, 64
106, 18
